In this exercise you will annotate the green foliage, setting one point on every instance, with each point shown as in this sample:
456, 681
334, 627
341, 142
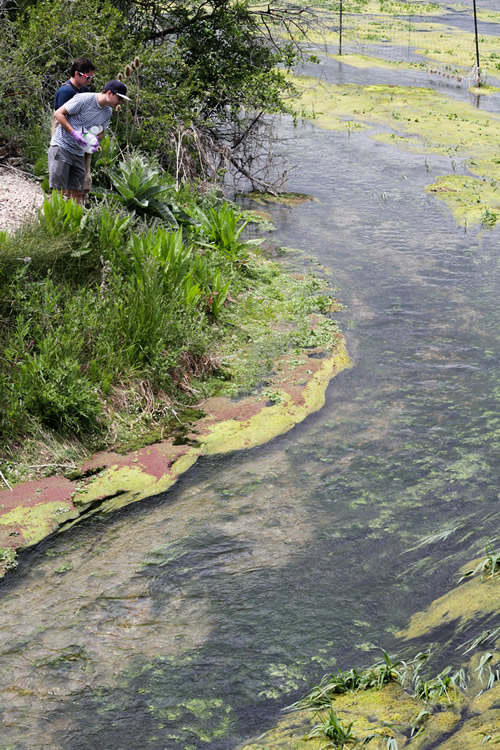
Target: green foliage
221, 229
8, 558
55, 392
105, 159
60, 216
204, 74
446, 682
487, 567
488, 218
102, 230
332, 729
142, 190
374, 677
218, 294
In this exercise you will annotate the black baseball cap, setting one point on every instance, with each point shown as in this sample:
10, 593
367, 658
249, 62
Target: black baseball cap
118, 88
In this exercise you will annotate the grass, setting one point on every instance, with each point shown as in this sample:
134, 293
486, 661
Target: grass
374, 677
336, 734
408, 674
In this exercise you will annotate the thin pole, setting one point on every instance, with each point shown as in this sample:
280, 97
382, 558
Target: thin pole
340, 28
477, 44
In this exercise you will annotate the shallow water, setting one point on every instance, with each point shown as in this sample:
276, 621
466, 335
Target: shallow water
188, 621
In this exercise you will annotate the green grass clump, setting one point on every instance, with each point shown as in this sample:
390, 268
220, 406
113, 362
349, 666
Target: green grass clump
338, 735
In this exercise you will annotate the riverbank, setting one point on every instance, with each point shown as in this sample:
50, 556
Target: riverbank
31, 511
271, 361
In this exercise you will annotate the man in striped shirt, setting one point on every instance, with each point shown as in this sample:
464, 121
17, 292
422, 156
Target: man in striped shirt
67, 146
82, 75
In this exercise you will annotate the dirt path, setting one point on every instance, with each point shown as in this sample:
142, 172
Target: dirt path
20, 195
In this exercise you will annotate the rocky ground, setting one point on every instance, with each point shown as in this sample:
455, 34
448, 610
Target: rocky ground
20, 196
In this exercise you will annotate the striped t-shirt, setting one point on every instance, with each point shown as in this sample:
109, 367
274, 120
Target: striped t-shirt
83, 112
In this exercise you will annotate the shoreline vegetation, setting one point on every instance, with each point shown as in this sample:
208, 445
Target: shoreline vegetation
145, 344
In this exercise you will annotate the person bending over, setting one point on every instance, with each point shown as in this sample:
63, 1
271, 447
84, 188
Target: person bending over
67, 146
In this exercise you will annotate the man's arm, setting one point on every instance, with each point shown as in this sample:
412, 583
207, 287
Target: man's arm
61, 116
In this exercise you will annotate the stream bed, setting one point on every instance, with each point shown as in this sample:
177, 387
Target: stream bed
190, 620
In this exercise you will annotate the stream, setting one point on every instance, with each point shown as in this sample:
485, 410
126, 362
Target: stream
190, 620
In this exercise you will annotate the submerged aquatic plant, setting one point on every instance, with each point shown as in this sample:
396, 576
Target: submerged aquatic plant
486, 635
444, 684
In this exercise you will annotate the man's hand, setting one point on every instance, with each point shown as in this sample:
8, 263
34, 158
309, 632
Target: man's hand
78, 136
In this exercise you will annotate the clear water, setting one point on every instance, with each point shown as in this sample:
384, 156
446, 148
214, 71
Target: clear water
188, 621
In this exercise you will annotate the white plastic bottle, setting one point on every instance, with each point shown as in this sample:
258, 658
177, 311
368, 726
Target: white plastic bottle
91, 139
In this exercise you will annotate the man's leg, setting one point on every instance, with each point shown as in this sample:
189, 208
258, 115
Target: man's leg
77, 195
59, 168
88, 177
76, 179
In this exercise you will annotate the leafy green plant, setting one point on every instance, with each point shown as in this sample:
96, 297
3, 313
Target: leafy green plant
381, 673
418, 724
57, 393
142, 190
444, 684
173, 258
492, 673
105, 159
218, 294
220, 229
479, 640
488, 218
338, 735
8, 558
374, 677
321, 695
59, 216
102, 231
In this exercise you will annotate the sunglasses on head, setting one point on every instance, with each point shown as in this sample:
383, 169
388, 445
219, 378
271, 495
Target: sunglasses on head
86, 76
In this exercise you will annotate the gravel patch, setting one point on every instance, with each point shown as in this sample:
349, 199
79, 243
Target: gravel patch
20, 196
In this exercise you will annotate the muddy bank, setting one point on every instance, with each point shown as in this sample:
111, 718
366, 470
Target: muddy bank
32, 510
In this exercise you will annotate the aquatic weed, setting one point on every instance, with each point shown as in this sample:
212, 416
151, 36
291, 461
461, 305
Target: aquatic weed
486, 635
443, 684
487, 567
338, 735
375, 677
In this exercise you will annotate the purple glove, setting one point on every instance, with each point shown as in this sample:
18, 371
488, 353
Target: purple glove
78, 136
95, 148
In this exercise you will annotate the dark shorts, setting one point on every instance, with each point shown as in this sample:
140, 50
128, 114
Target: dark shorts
66, 170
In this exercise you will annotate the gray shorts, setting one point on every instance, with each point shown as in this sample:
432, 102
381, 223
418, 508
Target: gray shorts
66, 170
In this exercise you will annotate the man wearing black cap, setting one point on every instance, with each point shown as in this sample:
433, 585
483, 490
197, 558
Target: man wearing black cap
82, 114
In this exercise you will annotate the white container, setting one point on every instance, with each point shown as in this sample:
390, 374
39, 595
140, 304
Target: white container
91, 140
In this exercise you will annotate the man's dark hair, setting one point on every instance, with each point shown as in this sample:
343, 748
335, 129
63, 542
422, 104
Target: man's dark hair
82, 65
